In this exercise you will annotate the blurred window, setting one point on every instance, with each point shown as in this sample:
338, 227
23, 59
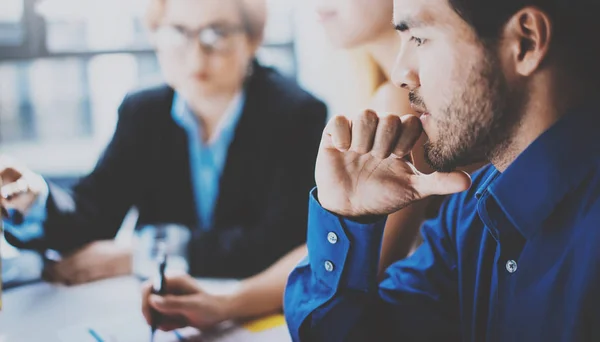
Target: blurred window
65, 66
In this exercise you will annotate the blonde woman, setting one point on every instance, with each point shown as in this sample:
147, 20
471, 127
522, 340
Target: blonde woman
226, 147
352, 24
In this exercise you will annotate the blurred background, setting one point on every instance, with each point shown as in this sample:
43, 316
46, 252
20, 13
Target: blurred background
65, 65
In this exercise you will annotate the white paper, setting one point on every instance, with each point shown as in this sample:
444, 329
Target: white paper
128, 330
124, 329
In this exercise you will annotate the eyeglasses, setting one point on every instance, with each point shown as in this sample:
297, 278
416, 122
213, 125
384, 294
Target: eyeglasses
212, 38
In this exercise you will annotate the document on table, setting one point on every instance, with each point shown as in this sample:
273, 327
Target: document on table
109, 311
121, 329
133, 330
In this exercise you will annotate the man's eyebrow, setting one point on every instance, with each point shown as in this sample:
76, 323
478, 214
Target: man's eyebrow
406, 24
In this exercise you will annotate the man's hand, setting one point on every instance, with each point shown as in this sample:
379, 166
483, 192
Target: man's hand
185, 304
95, 261
361, 170
20, 185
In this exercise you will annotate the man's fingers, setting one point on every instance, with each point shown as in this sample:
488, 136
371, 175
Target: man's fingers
388, 132
176, 302
439, 183
170, 324
339, 131
171, 304
182, 285
146, 308
364, 128
411, 131
13, 188
9, 175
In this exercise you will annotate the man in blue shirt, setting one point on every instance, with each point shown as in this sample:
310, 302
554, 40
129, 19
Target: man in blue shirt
514, 258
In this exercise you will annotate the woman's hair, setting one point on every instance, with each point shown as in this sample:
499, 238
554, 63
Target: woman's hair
253, 13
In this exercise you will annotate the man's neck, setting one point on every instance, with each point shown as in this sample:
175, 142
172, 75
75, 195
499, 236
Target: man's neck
546, 105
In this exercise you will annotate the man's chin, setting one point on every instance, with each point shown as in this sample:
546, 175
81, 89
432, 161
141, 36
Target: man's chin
449, 165
436, 159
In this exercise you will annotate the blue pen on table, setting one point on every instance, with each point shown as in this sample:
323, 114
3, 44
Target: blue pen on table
95, 335
159, 285
178, 335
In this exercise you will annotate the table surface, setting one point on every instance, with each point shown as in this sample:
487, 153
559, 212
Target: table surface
110, 309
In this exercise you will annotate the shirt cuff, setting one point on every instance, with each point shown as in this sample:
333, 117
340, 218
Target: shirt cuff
343, 253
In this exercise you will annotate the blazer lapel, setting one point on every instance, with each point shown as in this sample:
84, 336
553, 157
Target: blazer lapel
248, 148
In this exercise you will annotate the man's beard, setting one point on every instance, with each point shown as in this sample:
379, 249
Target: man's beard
479, 123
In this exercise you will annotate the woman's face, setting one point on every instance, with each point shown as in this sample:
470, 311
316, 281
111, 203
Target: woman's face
202, 46
349, 23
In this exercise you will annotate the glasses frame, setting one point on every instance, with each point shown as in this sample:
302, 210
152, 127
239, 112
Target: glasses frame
200, 36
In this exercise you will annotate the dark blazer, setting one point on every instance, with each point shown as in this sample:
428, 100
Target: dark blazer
261, 212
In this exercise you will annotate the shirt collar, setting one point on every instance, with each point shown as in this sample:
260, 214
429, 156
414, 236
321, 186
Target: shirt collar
554, 164
185, 118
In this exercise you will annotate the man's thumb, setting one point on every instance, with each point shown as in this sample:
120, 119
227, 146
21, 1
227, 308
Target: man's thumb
439, 183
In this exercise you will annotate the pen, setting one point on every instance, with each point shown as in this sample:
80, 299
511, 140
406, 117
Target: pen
160, 284
95, 335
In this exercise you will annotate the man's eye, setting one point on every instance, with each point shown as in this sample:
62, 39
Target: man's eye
418, 41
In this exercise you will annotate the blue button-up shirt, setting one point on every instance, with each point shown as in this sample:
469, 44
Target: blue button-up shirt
516, 258
207, 160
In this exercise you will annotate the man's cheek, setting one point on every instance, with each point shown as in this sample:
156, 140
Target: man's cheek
430, 94
432, 80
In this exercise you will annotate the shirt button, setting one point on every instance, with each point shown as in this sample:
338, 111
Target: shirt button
511, 266
328, 266
332, 238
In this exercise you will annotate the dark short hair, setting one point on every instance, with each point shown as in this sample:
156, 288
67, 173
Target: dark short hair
576, 25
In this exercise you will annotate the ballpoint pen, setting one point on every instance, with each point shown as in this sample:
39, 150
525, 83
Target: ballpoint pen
159, 285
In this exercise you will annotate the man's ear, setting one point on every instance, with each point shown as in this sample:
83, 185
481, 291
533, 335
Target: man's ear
527, 36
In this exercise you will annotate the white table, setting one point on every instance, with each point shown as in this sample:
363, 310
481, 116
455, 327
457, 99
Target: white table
53, 313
